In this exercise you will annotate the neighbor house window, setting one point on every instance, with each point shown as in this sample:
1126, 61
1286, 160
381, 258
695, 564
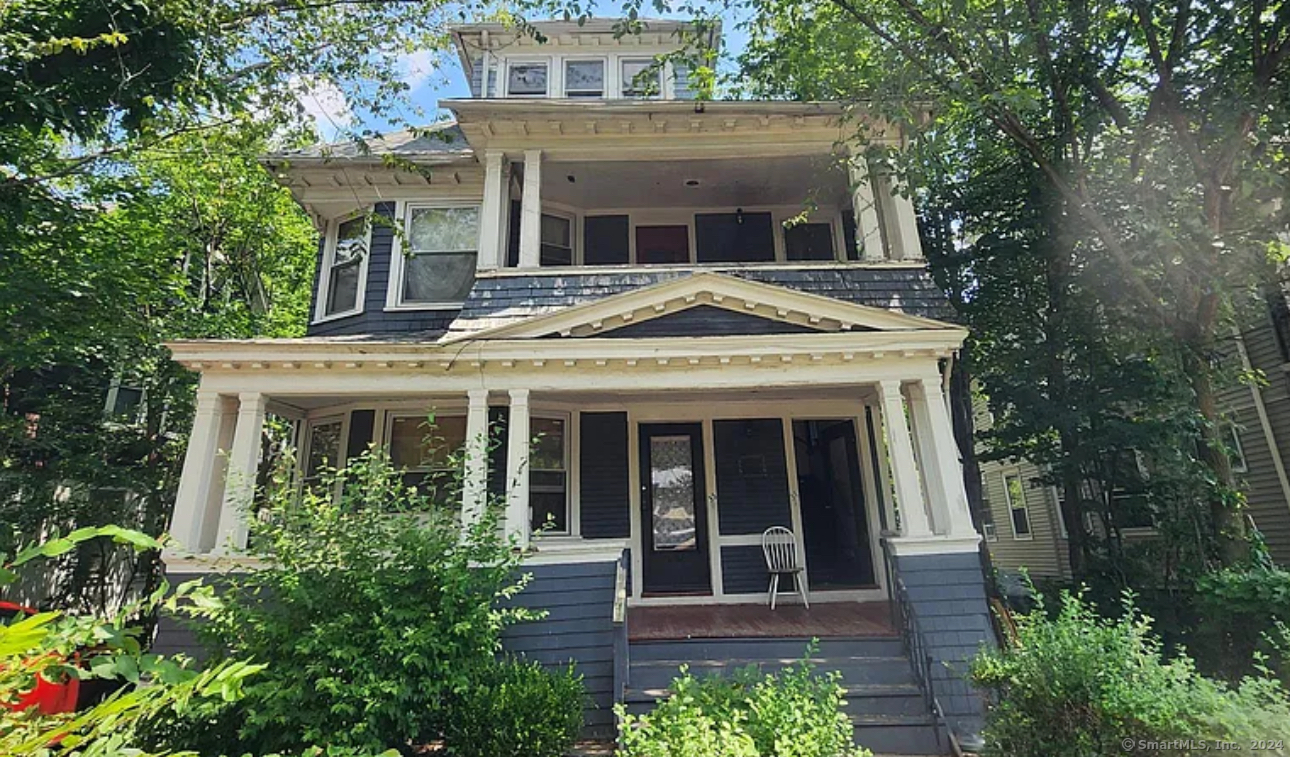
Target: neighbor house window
1235, 452
343, 276
430, 452
548, 475
987, 514
322, 448
557, 240
584, 78
640, 77
1015, 491
526, 80
440, 252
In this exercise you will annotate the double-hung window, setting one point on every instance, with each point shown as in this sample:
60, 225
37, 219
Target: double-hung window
987, 513
584, 78
323, 448
1015, 490
527, 79
344, 272
557, 240
549, 474
430, 452
640, 78
439, 257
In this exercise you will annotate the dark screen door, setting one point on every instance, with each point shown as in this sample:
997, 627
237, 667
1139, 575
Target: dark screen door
674, 516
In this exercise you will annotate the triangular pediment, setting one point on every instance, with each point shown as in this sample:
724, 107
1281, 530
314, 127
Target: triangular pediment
710, 304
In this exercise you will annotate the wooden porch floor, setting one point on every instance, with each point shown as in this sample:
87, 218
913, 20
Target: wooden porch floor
759, 621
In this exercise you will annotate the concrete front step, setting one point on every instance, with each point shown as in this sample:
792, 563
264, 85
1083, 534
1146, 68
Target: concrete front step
873, 699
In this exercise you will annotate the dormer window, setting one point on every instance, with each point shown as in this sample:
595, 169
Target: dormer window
640, 78
527, 79
342, 278
584, 78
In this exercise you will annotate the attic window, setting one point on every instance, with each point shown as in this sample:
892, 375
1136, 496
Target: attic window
584, 78
640, 78
526, 80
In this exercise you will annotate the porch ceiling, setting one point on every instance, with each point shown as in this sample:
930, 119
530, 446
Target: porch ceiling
696, 183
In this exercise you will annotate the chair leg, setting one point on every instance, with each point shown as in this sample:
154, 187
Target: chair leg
770, 591
774, 589
800, 580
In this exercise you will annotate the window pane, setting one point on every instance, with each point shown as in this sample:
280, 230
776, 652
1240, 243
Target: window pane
342, 289
584, 78
324, 447
1020, 522
662, 244
443, 229
809, 241
549, 508
548, 447
351, 240
638, 78
414, 443
604, 240
128, 399
672, 493
526, 79
557, 241
438, 277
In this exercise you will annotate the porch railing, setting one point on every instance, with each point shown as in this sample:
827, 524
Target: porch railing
622, 661
905, 618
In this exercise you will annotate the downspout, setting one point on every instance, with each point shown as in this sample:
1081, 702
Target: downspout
1268, 435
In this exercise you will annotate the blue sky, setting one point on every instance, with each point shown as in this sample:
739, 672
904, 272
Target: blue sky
434, 77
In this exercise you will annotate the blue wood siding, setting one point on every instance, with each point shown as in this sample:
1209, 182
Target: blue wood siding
604, 494
752, 475
706, 320
579, 602
743, 571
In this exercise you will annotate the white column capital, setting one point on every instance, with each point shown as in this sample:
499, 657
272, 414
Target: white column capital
477, 396
519, 396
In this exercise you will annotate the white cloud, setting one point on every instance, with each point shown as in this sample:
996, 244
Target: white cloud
325, 103
416, 68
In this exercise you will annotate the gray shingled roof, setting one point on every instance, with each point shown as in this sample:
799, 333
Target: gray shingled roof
436, 140
496, 301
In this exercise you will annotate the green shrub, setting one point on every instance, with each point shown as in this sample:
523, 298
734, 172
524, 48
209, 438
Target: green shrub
1242, 612
1078, 685
793, 713
371, 607
515, 708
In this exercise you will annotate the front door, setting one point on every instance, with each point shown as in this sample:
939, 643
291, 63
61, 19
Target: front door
674, 518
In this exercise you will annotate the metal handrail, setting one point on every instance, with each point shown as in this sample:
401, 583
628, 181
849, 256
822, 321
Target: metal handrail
911, 636
622, 648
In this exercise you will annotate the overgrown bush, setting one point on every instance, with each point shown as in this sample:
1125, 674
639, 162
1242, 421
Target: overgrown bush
793, 713
1077, 684
372, 608
515, 708
1243, 614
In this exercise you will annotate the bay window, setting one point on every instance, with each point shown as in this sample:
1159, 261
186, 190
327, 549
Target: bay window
441, 247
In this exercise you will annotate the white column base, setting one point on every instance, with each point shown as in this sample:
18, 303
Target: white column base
933, 545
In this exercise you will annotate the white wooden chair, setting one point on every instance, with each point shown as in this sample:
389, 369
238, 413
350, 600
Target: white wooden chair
779, 545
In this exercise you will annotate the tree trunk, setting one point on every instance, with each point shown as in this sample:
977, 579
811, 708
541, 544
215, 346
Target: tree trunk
1225, 513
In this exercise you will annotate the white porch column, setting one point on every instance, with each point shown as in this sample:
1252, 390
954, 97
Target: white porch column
944, 471
492, 213
517, 468
531, 211
904, 471
865, 207
200, 485
928, 462
899, 219
243, 463
474, 490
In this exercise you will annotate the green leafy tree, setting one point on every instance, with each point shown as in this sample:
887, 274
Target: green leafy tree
1156, 132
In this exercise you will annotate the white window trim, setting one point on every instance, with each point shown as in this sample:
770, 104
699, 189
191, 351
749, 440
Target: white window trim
1012, 523
552, 84
572, 527
1057, 512
324, 273
394, 287
990, 529
565, 60
622, 60
991, 533
109, 402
